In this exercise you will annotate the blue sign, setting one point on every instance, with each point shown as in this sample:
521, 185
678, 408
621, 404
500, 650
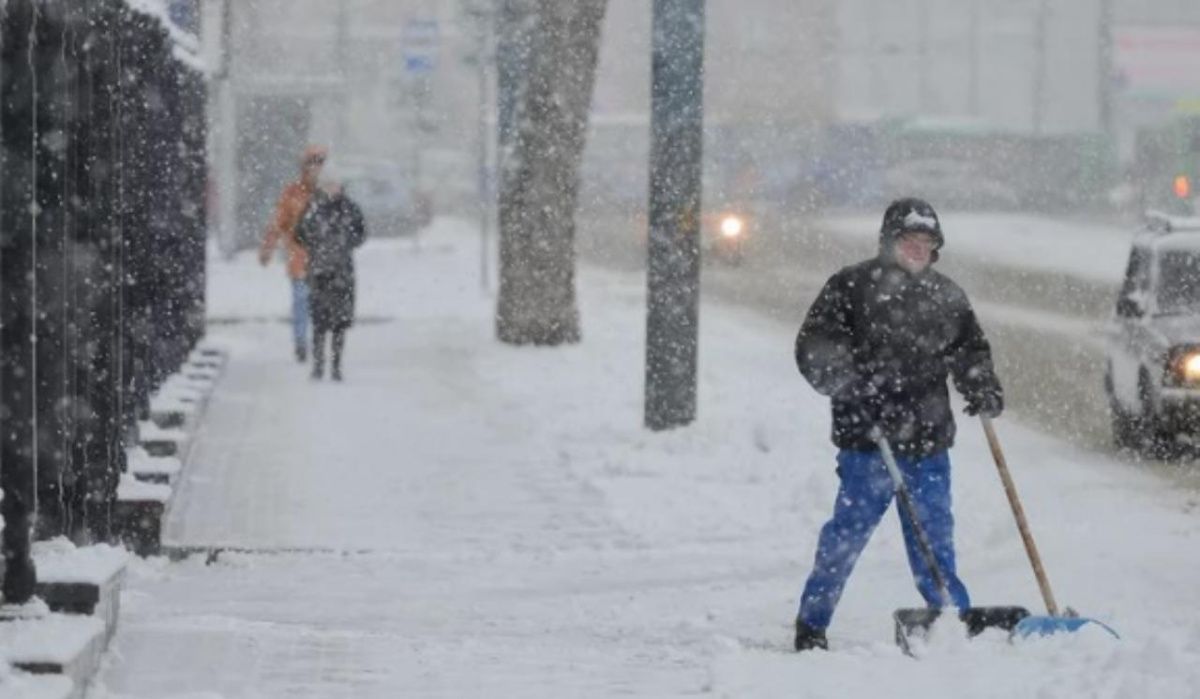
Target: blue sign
185, 14
419, 63
421, 38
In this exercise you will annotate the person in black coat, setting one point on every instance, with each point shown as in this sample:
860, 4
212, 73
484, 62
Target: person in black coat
881, 340
330, 230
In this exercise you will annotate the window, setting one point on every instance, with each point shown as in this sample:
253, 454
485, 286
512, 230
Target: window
1137, 273
1179, 282
1137, 278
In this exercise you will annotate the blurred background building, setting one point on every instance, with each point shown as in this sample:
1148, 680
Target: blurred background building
809, 103
381, 82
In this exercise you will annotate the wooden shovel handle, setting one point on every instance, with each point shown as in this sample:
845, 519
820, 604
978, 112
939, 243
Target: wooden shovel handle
1019, 513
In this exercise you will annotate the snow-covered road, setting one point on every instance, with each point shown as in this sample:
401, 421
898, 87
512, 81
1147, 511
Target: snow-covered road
462, 518
1044, 287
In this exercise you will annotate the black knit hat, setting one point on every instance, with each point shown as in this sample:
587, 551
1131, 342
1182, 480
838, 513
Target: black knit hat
910, 214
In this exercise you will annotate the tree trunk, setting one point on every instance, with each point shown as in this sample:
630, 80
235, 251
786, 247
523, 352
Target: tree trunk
540, 176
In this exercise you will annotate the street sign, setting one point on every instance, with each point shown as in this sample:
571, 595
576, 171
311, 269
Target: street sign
417, 63
420, 39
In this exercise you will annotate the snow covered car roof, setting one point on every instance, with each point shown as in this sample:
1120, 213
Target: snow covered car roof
1183, 241
1166, 223
1166, 232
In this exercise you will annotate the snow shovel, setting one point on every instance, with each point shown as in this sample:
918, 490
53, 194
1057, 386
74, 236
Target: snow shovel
1054, 622
916, 621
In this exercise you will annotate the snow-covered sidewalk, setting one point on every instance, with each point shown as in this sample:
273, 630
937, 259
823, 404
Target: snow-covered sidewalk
462, 518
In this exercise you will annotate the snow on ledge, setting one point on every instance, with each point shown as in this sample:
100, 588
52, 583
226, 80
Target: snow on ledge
27, 686
131, 489
52, 639
58, 560
141, 462
150, 432
172, 402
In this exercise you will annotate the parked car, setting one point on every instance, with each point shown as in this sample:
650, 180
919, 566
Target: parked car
390, 200
952, 184
1153, 374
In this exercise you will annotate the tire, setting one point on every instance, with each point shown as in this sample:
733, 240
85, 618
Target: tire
1156, 441
1128, 432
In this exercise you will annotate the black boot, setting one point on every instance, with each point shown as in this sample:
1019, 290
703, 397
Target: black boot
808, 637
318, 367
339, 342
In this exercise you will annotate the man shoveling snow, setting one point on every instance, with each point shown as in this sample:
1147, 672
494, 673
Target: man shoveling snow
881, 340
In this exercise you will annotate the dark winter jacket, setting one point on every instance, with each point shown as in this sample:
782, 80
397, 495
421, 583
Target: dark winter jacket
330, 230
881, 342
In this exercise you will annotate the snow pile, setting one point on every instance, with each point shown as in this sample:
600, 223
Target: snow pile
61, 561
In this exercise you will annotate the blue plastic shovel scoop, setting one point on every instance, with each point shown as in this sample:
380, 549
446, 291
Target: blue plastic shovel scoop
1068, 622
1053, 622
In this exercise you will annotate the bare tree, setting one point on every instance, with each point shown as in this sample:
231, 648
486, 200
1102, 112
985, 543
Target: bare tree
540, 175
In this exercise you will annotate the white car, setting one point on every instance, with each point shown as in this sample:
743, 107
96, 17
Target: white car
1153, 374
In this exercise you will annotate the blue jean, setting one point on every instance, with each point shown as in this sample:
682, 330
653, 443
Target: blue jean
300, 312
864, 495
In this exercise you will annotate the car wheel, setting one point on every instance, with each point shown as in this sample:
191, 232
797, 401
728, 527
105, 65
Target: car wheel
1127, 429
1158, 441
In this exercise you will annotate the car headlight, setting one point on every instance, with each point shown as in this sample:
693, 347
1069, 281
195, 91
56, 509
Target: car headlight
1190, 368
1184, 367
732, 226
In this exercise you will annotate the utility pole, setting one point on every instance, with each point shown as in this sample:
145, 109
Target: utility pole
484, 20
226, 137
342, 40
924, 89
673, 265
1104, 68
421, 39
1039, 67
973, 50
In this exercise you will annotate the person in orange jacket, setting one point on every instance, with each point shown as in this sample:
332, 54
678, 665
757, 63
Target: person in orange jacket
288, 211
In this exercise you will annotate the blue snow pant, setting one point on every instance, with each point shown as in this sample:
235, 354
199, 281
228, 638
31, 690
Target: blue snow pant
863, 497
300, 313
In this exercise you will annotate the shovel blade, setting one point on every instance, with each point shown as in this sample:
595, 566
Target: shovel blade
915, 623
1050, 625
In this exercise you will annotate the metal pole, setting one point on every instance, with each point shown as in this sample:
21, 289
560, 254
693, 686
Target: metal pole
1039, 68
226, 137
924, 88
1104, 69
973, 52
673, 265
342, 38
484, 200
